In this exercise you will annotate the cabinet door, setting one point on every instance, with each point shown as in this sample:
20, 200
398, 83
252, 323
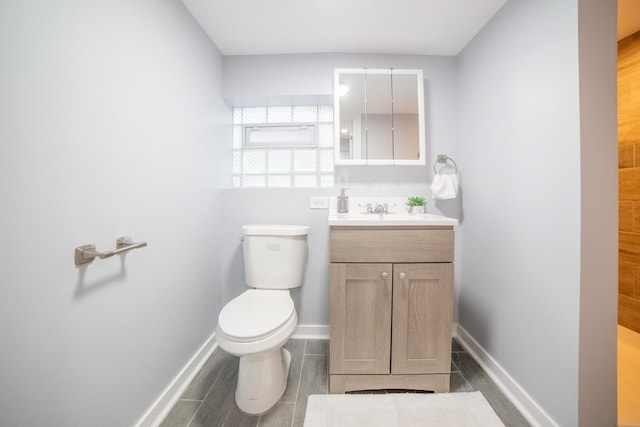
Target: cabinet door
360, 318
422, 314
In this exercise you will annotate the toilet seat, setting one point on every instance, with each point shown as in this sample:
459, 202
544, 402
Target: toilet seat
255, 314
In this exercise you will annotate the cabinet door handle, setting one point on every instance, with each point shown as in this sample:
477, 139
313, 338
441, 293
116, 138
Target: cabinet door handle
385, 275
402, 275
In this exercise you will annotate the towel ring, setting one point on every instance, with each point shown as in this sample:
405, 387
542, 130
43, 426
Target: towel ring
442, 158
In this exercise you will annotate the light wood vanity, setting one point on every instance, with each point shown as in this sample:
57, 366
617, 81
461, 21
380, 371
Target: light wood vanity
391, 297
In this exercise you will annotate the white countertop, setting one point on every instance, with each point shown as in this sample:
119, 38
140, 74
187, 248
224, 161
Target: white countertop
392, 219
397, 216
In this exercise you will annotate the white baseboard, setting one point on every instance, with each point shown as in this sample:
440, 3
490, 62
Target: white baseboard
514, 392
311, 332
161, 407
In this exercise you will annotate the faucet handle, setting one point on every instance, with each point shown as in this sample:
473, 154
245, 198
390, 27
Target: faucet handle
368, 207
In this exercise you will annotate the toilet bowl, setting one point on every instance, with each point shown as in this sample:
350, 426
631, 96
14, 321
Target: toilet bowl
255, 325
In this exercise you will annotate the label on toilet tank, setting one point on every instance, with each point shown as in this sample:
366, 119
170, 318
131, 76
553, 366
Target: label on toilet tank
273, 247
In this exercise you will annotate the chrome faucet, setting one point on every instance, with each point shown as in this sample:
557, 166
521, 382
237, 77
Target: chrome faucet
379, 209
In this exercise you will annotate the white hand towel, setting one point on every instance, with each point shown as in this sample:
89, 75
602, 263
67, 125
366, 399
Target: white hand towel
444, 187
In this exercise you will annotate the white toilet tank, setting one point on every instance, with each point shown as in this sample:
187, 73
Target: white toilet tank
274, 255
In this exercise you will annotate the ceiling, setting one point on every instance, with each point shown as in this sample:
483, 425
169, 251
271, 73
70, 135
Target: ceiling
417, 27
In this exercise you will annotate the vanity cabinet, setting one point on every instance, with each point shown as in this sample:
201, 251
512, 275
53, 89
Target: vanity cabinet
391, 297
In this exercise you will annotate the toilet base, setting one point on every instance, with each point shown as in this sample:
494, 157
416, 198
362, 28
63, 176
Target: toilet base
262, 380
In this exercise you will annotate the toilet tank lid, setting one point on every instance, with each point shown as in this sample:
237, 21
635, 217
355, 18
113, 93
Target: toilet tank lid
274, 230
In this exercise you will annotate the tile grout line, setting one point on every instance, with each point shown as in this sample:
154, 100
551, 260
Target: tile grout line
207, 393
464, 377
468, 383
295, 403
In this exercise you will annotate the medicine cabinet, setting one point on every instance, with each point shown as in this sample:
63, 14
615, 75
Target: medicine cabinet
379, 117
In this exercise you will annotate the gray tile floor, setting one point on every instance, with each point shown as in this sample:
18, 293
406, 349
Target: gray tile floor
209, 399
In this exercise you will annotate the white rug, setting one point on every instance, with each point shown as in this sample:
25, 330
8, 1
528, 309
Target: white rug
401, 410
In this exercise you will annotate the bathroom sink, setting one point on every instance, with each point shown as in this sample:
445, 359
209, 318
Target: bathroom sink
391, 219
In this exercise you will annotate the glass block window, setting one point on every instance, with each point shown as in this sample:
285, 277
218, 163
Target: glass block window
283, 146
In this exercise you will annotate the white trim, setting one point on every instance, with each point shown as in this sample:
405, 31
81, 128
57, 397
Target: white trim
168, 398
514, 392
311, 332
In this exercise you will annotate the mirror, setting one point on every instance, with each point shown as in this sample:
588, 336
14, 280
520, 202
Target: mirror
380, 117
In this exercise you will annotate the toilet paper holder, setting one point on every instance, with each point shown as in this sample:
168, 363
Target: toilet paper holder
87, 253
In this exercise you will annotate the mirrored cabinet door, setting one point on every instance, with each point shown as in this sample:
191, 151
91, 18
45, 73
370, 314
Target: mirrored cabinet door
349, 120
406, 117
379, 117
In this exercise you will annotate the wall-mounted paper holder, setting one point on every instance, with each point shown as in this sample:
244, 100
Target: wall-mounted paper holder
87, 253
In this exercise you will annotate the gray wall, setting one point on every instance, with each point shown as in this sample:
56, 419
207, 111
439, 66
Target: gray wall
309, 78
111, 117
539, 239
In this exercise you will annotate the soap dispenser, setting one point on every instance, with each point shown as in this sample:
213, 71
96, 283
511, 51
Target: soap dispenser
343, 202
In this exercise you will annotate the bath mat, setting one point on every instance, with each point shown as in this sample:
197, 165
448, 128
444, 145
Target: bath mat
402, 410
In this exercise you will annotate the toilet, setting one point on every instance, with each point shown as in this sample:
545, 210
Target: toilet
255, 325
